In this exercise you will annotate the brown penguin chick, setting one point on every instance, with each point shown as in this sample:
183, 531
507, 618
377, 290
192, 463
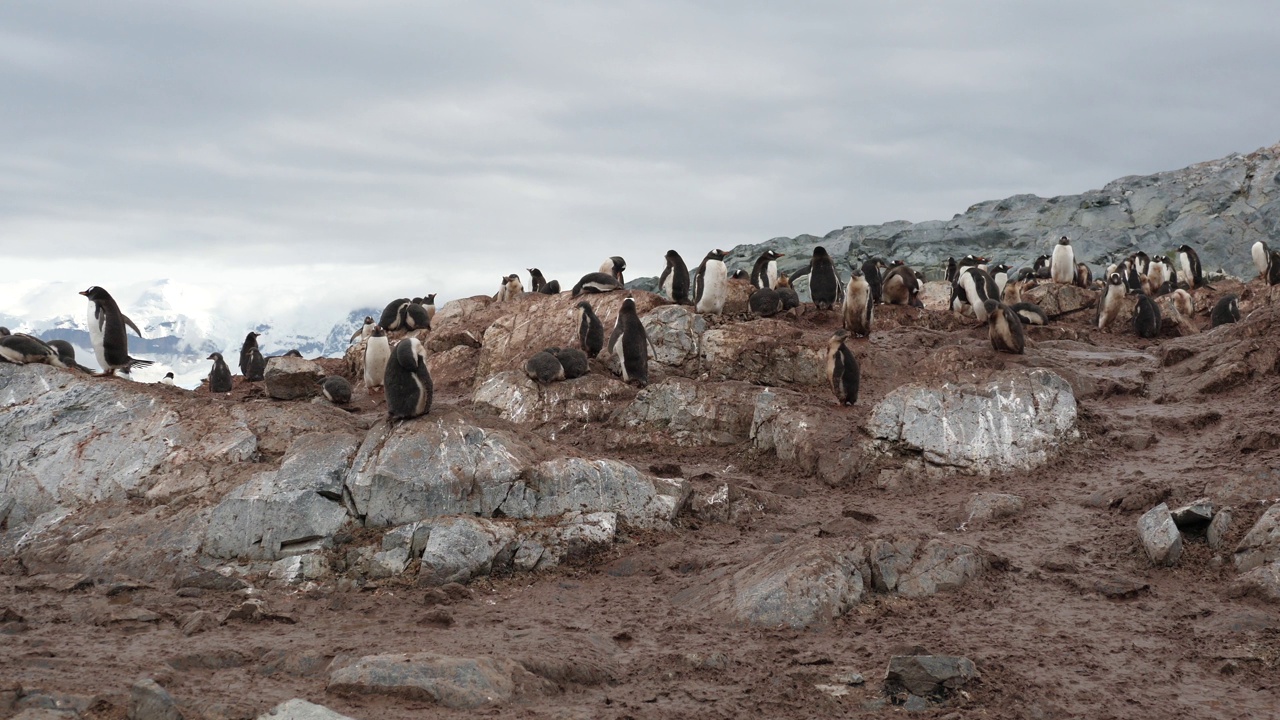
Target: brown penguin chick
1005, 328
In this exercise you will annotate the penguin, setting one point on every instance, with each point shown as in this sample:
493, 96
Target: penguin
67, 355
1189, 262
765, 302
551, 288
674, 280
511, 288
614, 266
107, 331
1141, 262
23, 349
1004, 327
590, 330
390, 319
859, 306
1183, 301
167, 379
631, 344
536, 281
952, 270
408, 381
824, 284
1012, 294
573, 360
1226, 310
596, 282
977, 261
429, 304
901, 287
376, 354
1109, 303
413, 316
842, 369
1261, 258
1000, 274
765, 272
294, 353
4, 331
336, 389
1041, 267
1132, 278
1062, 267
1158, 273
1084, 276
711, 287
786, 293
1030, 313
544, 368
1146, 317
740, 274
973, 290
252, 364
1273, 268
220, 375
365, 330
872, 272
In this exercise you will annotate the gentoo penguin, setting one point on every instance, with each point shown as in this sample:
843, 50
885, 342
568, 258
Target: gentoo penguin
22, 349
67, 354
429, 304
674, 280
873, 272
1273, 268
544, 368
376, 353
1000, 274
1084, 276
1004, 327
590, 330
107, 331
1183, 301
1158, 273
390, 319
252, 364
614, 266
336, 389
167, 379
294, 353
859, 306
765, 302
413, 316
740, 274
765, 272
1189, 263
952, 270
1132, 278
511, 289
631, 344
972, 291
711, 287
1226, 310
1062, 267
1030, 313
786, 293
536, 281
1146, 317
408, 382
1261, 258
1141, 262
4, 331
1012, 294
573, 360
842, 369
901, 287
551, 288
1041, 267
220, 375
365, 330
596, 282
824, 284
1109, 303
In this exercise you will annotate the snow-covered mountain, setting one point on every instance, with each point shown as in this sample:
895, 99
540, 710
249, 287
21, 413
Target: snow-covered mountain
182, 324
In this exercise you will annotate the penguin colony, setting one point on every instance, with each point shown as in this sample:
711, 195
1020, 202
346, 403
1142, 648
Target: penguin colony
987, 291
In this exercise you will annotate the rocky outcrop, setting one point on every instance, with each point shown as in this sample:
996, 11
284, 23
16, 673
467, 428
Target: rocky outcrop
688, 412
292, 378
1261, 544
675, 333
513, 396
765, 352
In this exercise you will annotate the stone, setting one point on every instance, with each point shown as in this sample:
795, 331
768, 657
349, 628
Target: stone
298, 709
149, 701
1160, 536
1057, 299
675, 333
453, 682
1017, 420
1216, 534
986, 506
1262, 581
555, 487
929, 675
298, 568
210, 580
1195, 517
513, 396
1262, 543
940, 566
388, 563
292, 378
762, 352
781, 422
692, 413
195, 622
461, 548
271, 516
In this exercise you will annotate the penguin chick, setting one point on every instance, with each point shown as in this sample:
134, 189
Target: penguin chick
1226, 310
220, 375
543, 368
364, 330
765, 302
859, 305
842, 369
573, 360
252, 364
590, 330
408, 381
336, 389
1004, 328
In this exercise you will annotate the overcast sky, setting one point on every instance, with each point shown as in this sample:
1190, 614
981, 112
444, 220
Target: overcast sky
358, 151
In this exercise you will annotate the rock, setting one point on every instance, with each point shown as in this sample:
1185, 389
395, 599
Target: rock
298, 568
1057, 299
1160, 536
461, 548
985, 506
763, 352
1263, 582
44, 714
292, 378
675, 333
196, 621
1195, 517
913, 569
1262, 543
1017, 420
513, 396
555, 487
576, 534
149, 701
926, 675
298, 709
209, 580
453, 682
782, 423
693, 413
388, 563
1218, 528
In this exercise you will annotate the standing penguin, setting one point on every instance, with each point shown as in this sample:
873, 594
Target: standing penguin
634, 350
365, 330
390, 319
842, 369
1261, 258
711, 288
252, 364
952, 271
1040, 267
858, 305
1109, 303
614, 266
220, 375
511, 288
873, 272
590, 330
428, 304
376, 353
1226, 310
974, 288
1146, 317
408, 382
1084, 276
1062, 267
1004, 327
536, 281
824, 284
674, 280
765, 272
1273, 268
1189, 263
107, 332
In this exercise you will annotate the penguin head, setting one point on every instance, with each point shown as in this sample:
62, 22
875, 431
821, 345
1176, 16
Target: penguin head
431, 299
784, 281
819, 251
293, 353
214, 356
169, 375
857, 272
740, 275
991, 305
95, 293
378, 331
899, 263
1063, 240
4, 331
1001, 268
618, 263
839, 335
1184, 249
1114, 278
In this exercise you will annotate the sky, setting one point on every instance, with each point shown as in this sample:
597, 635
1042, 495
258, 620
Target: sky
352, 152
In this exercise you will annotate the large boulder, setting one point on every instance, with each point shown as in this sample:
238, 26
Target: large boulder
459, 548
513, 396
1160, 536
915, 568
783, 422
1057, 299
688, 412
675, 333
452, 682
765, 352
1261, 544
292, 378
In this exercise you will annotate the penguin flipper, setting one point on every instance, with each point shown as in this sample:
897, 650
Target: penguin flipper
613, 337
131, 324
134, 363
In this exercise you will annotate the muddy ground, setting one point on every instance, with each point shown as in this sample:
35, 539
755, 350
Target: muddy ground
1073, 621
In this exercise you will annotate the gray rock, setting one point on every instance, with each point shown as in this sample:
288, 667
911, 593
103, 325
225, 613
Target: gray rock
412, 537
675, 333
1262, 543
985, 506
388, 563
298, 709
1160, 536
1262, 581
1195, 517
781, 423
693, 413
576, 533
764, 352
1218, 528
298, 568
926, 675
270, 517
319, 461
45, 714
514, 397
1056, 299
913, 569
460, 548
149, 701
452, 682
292, 378
1017, 420
559, 486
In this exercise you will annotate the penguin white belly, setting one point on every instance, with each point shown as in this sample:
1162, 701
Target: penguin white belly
376, 355
772, 274
1259, 251
715, 288
95, 336
420, 406
1184, 264
668, 285
970, 286
1063, 265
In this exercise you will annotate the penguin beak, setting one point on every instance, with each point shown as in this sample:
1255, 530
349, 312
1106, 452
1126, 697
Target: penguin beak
84, 293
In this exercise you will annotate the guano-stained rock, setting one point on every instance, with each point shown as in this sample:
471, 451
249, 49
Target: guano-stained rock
1160, 536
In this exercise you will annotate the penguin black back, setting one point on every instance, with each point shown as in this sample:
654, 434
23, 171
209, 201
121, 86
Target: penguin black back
824, 286
761, 275
590, 330
390, 319
871, 272
252, 364
674, 280
842, 369
1226, 310
630, 341
407, 381
220, 375
336, 389
1146, 317
596, 282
